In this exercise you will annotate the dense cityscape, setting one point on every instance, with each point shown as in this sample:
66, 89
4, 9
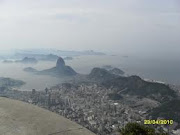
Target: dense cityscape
90, 106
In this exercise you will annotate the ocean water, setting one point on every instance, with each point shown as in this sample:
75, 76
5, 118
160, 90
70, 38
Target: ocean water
166, 70
38, 82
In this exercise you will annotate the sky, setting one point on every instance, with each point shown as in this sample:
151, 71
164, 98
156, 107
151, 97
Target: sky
122, 26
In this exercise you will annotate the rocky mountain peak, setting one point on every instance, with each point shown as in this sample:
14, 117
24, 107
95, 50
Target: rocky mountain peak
60, 63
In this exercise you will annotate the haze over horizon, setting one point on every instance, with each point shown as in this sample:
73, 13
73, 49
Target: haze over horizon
123, 26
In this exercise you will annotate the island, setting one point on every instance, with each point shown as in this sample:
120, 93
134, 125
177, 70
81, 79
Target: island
27, 60
60, 70
7, 61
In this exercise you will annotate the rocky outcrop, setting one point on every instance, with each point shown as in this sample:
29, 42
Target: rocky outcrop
59, 70
60, 63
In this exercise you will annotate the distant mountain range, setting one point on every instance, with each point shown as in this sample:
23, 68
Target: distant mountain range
42, 53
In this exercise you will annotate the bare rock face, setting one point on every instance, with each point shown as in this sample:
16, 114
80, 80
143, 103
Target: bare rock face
60, 63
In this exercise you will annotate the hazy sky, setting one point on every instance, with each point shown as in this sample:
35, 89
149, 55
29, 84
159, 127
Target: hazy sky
103, 25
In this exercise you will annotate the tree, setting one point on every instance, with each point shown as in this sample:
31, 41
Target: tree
138, 129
